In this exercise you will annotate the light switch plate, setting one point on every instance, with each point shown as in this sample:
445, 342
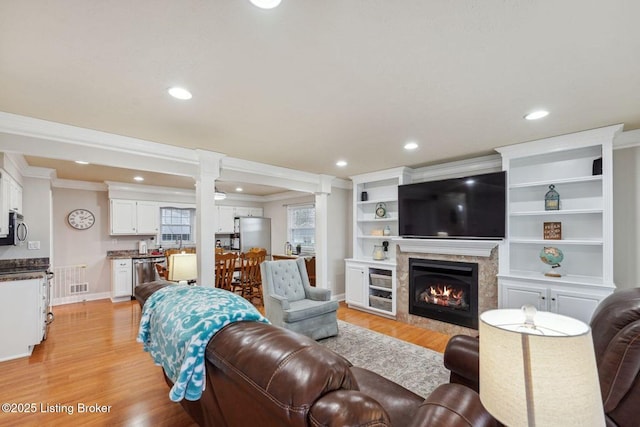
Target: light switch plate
34, 245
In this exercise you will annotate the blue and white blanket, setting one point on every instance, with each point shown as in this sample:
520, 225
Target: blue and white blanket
176, 325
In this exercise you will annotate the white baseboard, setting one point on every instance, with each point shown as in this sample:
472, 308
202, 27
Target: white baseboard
80, 298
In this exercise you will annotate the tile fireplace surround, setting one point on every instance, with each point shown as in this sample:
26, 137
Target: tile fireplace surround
484, 253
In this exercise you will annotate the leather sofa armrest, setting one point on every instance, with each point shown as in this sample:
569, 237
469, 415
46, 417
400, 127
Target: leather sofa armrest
363, 410
453, 405
318, 294
462, 358
397, 401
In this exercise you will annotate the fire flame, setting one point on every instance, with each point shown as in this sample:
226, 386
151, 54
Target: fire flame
445, 295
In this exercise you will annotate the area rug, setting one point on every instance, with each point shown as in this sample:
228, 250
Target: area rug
415, 368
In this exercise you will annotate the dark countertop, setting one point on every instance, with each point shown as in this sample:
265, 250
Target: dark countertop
127, 254
23, 268
27, 275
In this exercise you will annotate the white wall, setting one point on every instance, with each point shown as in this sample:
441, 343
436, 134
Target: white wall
339, 243
626, 217
36, 208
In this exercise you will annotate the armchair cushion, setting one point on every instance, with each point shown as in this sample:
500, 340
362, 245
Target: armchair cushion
306, 308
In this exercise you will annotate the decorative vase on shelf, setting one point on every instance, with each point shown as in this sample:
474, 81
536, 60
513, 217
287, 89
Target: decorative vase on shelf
378, 253
552, 257
552, 199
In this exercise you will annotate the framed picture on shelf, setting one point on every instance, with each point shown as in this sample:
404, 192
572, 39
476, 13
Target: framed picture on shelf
552, 231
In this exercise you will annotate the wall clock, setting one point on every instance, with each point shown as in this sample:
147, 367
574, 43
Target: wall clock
381, 210
81, 219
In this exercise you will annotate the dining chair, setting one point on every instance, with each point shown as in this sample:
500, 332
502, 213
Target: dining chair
163, 273
225, 267
249, 283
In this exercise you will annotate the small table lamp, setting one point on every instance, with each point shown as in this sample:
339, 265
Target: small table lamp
538, 369
183, 267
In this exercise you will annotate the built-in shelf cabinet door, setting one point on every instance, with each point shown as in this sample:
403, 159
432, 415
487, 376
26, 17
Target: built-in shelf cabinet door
355, 284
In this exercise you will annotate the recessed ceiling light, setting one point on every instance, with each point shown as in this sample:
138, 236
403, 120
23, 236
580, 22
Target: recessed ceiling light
410, 145
239, 189
341, 163
265, 4
138, 178
535, 115
179, 93
82, 162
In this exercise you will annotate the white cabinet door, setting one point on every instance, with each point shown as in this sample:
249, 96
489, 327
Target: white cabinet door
123, 216
515, 296
256, 211
579, 305
241, 211
20, 315
4, 203
15, 195
225, 219
121, 278
355, 285
147, 218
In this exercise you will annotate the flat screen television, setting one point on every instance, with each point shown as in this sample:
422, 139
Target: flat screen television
472, 207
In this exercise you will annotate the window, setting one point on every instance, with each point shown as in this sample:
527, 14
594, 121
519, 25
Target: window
301, 226
177, 225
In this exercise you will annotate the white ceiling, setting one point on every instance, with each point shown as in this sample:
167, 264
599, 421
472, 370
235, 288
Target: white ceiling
311, 82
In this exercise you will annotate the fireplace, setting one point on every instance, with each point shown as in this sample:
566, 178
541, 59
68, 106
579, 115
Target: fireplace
444, 290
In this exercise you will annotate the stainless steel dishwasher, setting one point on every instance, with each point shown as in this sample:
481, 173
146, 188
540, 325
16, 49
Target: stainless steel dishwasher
144, 270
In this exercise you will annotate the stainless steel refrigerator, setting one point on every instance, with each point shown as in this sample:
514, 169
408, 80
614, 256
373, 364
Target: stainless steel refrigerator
251, 232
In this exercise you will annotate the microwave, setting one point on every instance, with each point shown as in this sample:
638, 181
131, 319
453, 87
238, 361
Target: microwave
18, 230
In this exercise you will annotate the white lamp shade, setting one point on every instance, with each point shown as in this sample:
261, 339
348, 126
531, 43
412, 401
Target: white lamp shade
183, 267
538, 380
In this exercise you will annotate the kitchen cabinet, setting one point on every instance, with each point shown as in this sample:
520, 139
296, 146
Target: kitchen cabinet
225, 219
121, 279
226, 214
23, 311
584, 217
15, 195
247, 211
10, 200
147, 218
131, 217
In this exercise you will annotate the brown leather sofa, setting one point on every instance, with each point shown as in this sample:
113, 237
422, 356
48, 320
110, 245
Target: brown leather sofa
262, 375
615, 328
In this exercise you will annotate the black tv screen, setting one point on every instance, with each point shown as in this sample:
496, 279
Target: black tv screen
472, 207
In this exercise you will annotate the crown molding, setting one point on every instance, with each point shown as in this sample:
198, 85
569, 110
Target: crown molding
78, 185
473, 166
627, 139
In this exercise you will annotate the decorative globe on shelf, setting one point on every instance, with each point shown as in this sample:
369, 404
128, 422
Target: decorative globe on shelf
553, 257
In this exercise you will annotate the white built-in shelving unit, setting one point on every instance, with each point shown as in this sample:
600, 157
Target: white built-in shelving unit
585, 215
371, 284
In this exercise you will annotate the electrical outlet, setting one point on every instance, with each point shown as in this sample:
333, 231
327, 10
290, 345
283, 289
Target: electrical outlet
33, 245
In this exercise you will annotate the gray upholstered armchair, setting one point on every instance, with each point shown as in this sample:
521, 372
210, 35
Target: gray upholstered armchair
290, 302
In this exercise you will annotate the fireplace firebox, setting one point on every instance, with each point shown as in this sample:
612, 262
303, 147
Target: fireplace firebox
444, 290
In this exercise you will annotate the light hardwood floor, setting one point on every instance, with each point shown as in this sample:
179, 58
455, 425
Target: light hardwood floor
91, 360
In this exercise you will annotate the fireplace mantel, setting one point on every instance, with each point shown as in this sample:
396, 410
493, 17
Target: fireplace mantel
479, 248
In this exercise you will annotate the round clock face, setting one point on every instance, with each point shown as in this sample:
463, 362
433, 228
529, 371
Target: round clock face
381, 210
81, 219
